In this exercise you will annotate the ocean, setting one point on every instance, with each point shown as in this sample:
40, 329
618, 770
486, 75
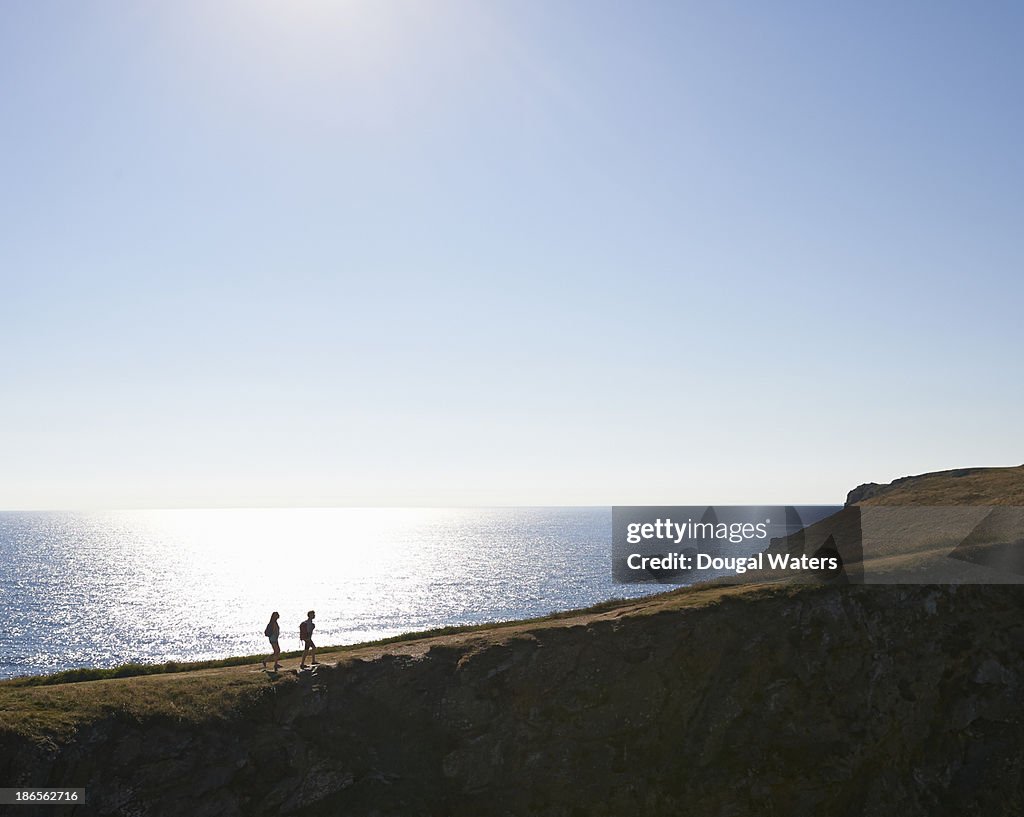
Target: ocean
105, 588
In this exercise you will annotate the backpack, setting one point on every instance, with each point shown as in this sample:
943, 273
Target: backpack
304, 630
266, 632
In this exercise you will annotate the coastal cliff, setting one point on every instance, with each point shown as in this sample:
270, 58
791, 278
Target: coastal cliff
774, 699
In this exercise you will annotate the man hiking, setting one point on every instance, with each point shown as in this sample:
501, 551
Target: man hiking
306, 635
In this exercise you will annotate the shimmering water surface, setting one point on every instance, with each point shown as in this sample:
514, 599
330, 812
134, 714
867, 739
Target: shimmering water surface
100, 589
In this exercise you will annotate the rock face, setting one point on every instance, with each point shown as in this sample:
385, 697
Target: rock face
865, 491
813, 700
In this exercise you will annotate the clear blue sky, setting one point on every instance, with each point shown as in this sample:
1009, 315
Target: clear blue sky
294, 253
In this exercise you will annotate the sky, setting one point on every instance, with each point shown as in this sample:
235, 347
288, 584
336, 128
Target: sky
457, 253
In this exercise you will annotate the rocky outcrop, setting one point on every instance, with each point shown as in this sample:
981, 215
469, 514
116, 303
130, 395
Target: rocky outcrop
786, 701
865, 491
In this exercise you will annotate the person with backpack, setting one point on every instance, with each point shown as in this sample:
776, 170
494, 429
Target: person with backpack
273, 632
306, 635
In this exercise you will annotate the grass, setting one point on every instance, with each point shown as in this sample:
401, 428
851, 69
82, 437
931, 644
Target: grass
962, 486
55, 711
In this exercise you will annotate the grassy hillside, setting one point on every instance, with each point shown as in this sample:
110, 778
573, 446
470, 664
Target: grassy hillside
960, 486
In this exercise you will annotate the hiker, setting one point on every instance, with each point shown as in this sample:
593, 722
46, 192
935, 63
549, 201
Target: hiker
273, 632
306, 634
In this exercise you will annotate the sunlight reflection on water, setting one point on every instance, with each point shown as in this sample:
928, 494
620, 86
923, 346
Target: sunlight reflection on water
99, 589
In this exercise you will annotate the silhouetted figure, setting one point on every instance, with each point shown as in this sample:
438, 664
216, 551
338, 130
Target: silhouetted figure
306, 634
273, 632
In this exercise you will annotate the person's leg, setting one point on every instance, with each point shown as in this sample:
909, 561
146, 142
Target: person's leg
305, 651
314, 661
277, 655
